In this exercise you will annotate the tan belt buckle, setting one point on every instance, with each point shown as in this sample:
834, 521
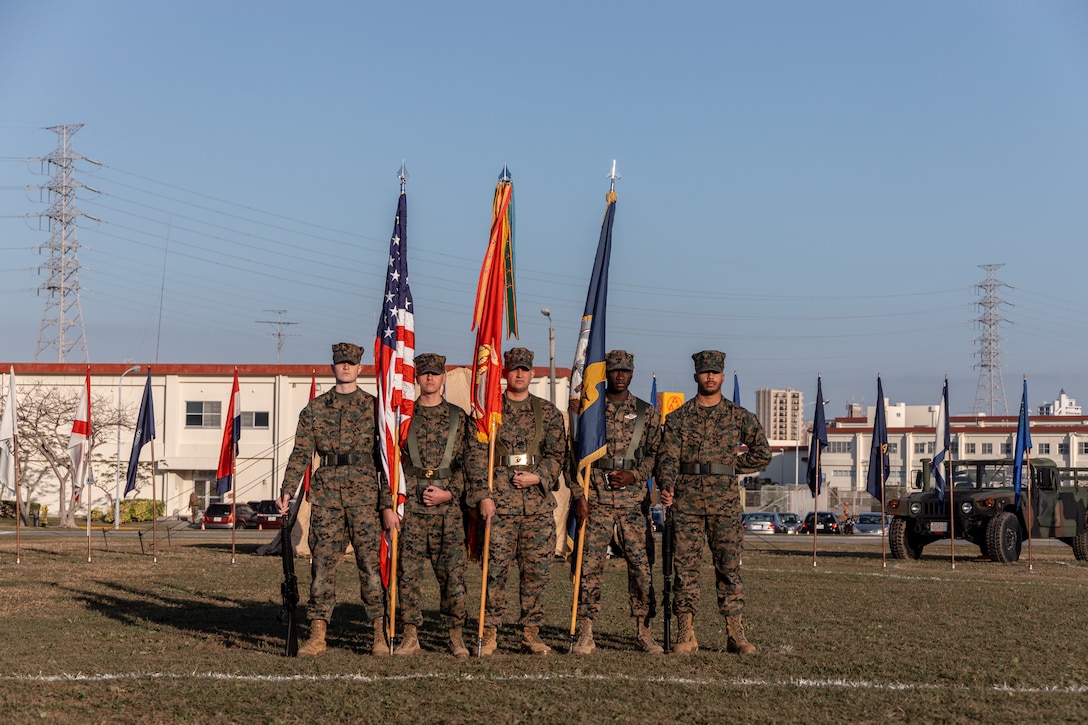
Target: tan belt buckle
430, 473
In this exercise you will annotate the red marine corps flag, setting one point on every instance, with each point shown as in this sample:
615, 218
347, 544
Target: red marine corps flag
395, 370
494, 295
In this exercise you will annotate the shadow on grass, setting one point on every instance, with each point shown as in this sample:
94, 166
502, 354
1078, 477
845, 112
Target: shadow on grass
236, 623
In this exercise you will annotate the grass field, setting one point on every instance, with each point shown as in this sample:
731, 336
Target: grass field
194, 638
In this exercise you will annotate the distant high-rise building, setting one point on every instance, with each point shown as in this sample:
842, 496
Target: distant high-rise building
780, 413
1064, 405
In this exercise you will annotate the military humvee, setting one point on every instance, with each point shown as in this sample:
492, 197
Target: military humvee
981, 493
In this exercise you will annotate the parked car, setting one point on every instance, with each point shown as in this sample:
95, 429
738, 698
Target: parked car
868, 524
218, 516
791, 523
826, 523
268, 515
762, 522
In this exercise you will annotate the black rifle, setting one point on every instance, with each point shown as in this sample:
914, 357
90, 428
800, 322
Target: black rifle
650, 550
667, 537
289, 587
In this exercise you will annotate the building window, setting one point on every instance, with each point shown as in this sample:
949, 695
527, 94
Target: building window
203, 413
970, 448
1084, 447
840, 446
893, 449
955, 448
1044, 449
255, 419
919, 447
987, 449
1006, 449
1063, 449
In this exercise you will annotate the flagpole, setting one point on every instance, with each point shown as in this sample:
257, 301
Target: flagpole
87, 485
951, 481
583, 476
154, 510
1031, 511
394, 538
485, 555
815, 502
18, 500
233, 499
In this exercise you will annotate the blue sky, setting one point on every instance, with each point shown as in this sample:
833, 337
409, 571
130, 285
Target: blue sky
810, 187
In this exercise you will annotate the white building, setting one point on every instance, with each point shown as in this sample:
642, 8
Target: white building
190, 403
911, 438
1064, 405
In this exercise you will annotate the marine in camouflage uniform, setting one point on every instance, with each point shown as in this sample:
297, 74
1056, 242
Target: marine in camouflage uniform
697, 466
530, 453
345, 495
619, 502
433, 456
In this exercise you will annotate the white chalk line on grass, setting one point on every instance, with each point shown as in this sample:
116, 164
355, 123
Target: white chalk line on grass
795, 683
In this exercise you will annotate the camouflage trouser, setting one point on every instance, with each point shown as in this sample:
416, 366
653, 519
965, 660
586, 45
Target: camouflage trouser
726, 541
630, 525
441, 540
530, 542
330, 530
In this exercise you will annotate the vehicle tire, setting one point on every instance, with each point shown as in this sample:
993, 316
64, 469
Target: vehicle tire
1003, 538
903, 545
1080, 543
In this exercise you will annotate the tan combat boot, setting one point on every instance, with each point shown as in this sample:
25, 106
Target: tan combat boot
409, 643
737, 642
457, 644
315, 645
532, 643
380, 646
584, 645
490, 643
685, 637
645, 637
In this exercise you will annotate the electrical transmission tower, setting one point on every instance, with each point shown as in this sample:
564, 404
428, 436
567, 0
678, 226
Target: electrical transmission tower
991, 389
62, 316
279, 334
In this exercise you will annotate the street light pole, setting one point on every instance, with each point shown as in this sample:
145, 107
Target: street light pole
117, 472
551, 350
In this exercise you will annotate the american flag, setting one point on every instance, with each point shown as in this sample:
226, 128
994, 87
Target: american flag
395, 369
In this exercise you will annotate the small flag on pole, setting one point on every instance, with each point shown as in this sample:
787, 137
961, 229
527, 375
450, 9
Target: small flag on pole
879, 461
818, 442
8, 434
80, 441
736, 389
1023, 444
228, 451
941, 446
145, 433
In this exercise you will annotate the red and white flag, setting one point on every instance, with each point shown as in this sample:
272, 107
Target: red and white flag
395, 369
8, 434
79, 444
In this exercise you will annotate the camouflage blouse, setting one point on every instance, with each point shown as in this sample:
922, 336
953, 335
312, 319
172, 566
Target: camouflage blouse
694, 434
